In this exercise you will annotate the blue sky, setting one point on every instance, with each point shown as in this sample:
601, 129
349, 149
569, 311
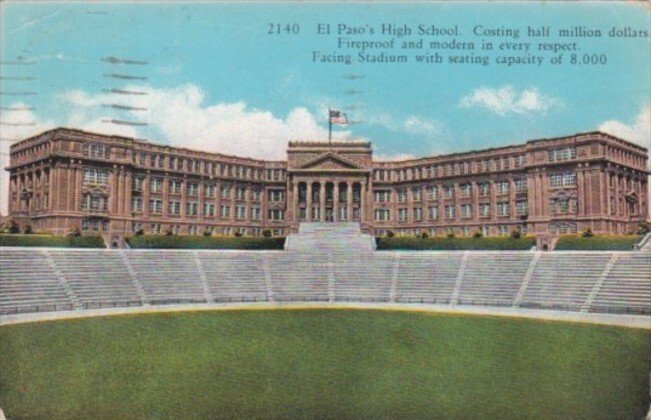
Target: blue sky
217, 81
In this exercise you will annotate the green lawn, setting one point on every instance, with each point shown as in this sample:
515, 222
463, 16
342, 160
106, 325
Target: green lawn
338, 364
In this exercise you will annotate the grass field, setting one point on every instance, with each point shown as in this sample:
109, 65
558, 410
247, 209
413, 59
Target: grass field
339, 364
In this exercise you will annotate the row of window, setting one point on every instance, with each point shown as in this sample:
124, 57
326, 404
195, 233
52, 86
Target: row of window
158, 228
192, 209
501, 230
450, 169
484, 209
448, 191
207, 167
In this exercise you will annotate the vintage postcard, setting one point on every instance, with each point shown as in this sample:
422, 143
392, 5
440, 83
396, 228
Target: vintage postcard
325, 210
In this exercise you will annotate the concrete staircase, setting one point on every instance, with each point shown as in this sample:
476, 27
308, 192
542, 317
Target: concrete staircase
342, 237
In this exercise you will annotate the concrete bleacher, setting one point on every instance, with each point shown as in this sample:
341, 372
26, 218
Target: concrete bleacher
96, 278
627, 286
493, 278
427, 277
319, 238
28, 282
234, 276
166, 276
38, 279
564, 280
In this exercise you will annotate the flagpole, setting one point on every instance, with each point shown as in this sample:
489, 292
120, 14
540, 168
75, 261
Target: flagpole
329, 127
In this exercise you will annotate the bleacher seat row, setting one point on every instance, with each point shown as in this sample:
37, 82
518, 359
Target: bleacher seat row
40, 280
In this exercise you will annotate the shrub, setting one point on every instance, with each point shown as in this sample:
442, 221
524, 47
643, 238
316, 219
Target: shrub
424, 234
516, 233
467, 243
478, 234
28, 230
597, 242
207, 233
390, 234
140, 232
169, 233
75, 233
203, 242
450, 235
587, 233
69, 241
14, 227
238, 234
266, 233
643, 228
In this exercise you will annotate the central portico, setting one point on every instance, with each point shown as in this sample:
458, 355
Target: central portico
329, 182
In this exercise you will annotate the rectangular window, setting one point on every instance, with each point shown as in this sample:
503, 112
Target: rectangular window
96, 176
466, 189
567, 179
136, 204
193, 189
276, 195
402, 196
433, 212
210, 191
449, 212
432, 192
155, 206
240, 212
255, 195
565, 153
484, 189
503, 208
240, 193
382, 215
225, 212
208, 210
255, 213
522, 207
416, 194
156, 185
175, 186
520, 185
192, 208
448, 191
276, 214
226, 191
484, 210
418, 214
502, 187
466, 211
137, 183
175, 208
382, 196
402, 215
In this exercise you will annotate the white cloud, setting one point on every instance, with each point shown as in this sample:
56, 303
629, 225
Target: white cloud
182, 118
396, 157
9, 133
508, 100
639, 131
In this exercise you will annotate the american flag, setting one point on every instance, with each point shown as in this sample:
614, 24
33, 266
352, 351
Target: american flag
338, 117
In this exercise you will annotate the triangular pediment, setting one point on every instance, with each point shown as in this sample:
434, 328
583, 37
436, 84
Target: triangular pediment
329, 161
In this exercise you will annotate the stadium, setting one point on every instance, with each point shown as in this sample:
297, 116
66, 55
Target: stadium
328, 327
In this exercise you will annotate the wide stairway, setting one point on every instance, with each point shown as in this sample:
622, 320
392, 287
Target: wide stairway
341, 237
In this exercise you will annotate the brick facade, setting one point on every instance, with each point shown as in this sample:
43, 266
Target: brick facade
64, 179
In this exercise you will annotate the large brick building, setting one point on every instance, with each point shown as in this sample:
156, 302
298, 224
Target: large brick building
64, 179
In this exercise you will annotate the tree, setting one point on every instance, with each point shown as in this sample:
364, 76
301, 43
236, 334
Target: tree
390, 234
478, 234
266, 233
28, 229
14, 227
516, 233
587, 233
